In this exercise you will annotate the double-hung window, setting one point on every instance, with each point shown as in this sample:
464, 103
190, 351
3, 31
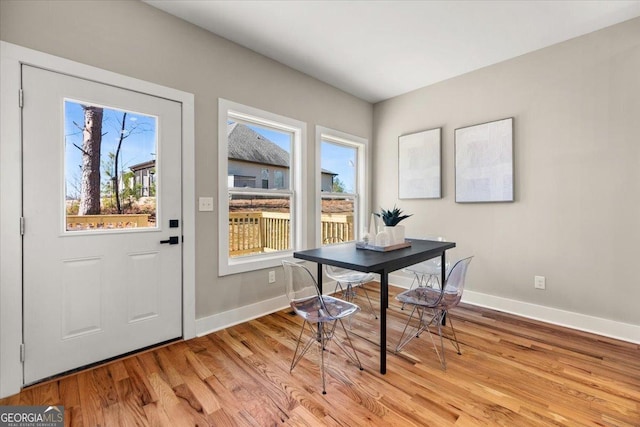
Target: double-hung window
260, 198
341, 181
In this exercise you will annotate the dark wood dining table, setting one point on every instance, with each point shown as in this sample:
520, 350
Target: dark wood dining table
346, 255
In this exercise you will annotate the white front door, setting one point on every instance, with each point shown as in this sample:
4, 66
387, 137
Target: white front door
98, 284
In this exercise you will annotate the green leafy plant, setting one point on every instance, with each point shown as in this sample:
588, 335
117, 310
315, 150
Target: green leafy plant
391, 217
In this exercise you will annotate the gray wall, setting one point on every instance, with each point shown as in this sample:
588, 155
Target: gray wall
576, 218
132, 38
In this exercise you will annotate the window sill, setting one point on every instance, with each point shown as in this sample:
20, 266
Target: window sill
253, 263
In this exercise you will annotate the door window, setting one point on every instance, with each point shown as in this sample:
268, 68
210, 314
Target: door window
110, 168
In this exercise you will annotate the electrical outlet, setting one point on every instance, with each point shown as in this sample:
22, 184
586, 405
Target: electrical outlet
539, 282
272, 276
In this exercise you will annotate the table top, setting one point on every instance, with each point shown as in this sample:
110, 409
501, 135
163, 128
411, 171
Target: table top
346, 255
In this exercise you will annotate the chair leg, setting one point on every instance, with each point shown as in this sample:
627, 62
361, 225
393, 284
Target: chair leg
354, 358
339, 285
298, 356
414, 332
328, 336
322, 336
434, 279
349, 294
443, 361
322, 348
454, 340
366, 294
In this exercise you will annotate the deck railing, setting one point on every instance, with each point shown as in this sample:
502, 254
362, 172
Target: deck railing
256, 232
90, 222
337, 228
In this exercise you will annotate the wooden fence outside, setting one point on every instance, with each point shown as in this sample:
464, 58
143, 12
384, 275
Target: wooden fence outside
249, 232
257, 232
92, 222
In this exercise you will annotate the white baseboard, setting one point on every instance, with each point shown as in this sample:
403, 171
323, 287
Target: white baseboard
216, 322
596, 325
609, 328
569, 319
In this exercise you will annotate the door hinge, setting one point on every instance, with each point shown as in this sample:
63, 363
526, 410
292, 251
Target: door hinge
22, 226
21, 98
22, 352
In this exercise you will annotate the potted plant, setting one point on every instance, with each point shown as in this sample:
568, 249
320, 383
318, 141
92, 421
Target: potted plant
391, 218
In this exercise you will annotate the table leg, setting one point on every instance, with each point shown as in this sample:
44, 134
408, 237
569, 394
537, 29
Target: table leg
319, 333
320, 278
384, 303
443, 278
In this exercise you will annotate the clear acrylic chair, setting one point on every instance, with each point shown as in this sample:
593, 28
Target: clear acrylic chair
430, 306
351, 280
321, 313
427, 273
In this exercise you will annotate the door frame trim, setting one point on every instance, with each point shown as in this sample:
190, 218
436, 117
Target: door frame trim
12, 57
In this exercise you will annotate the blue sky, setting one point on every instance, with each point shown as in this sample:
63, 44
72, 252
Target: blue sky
335, 158
138, 147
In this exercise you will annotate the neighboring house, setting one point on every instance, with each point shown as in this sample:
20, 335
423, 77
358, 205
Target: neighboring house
257, 162
144, 176
327, 180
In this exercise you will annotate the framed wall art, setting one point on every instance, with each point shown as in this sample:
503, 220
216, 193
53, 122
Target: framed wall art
484, 162
419, 171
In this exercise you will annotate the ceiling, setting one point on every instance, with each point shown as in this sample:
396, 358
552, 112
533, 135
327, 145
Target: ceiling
376, 50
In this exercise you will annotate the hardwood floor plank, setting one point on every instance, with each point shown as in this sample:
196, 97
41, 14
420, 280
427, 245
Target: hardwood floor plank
156, 415
90, 399
178, 413
139, 381
70, 398
513, 372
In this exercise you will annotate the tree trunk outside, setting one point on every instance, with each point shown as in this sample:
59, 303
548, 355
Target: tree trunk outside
124, 120
91, 141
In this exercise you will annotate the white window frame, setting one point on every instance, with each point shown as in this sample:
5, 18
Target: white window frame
361, 206
243, 113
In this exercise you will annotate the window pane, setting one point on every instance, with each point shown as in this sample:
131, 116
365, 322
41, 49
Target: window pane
337, 220
339, 168
259, 224
278, 177
257, 155
110, 168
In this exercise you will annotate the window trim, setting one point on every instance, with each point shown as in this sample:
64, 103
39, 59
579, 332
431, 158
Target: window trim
229, 109
361, 196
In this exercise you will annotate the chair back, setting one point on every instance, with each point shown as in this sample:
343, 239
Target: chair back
299, 282
430, 266
345, 275
437, 261
454, 285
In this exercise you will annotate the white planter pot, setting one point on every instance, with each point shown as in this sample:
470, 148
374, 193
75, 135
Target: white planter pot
396, 234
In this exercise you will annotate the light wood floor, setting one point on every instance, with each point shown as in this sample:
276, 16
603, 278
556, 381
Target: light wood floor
512, 372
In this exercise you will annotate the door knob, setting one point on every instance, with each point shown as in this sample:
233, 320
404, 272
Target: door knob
173, 240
